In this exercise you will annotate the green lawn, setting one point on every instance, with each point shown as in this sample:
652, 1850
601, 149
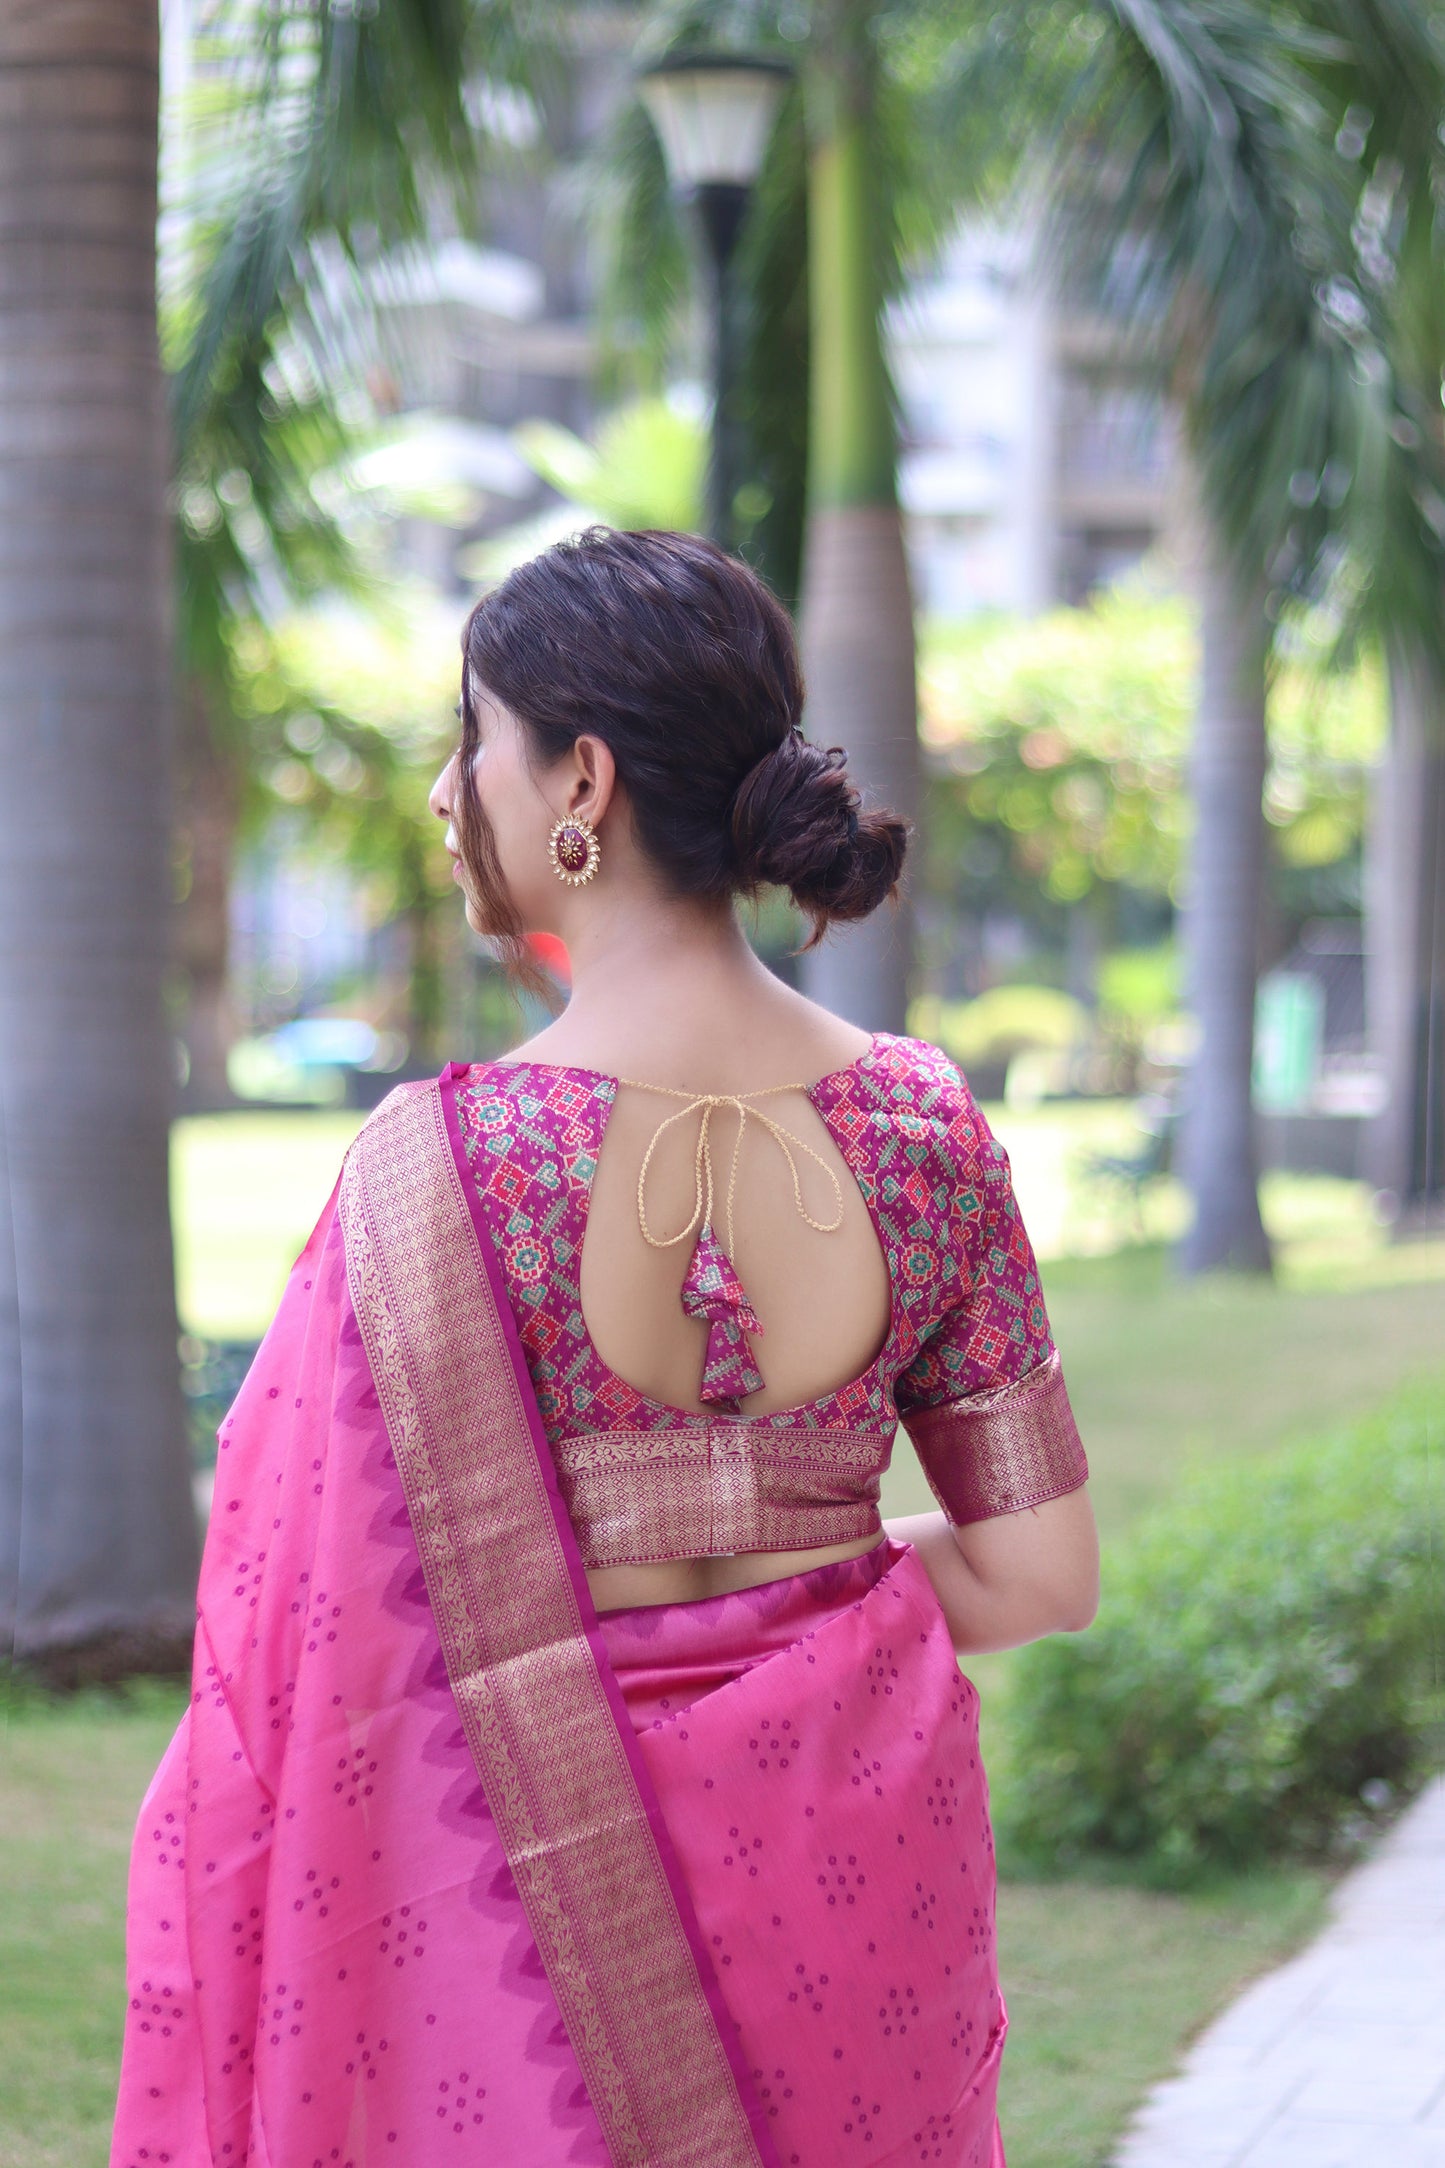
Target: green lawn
247, 1190
1105, 1983
71, 1779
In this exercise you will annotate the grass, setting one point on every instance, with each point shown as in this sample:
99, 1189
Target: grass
72, 1774
1105, 1982
246, 1192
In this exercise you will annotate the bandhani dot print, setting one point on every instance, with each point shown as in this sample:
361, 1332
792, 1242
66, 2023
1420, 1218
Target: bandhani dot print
326, 1933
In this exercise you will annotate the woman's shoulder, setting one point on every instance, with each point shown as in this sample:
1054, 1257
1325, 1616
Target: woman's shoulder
533, 1112
923, 1089
918, 1072
526, 1112
390, 1120
516, 1079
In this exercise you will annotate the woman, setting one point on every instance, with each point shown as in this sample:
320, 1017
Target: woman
576, 1770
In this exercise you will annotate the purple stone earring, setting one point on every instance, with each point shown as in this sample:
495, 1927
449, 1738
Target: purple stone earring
574, 850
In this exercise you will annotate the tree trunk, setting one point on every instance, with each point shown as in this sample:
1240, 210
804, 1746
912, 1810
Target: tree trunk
209, 805
1405, 929
857, 611
96, 1522
1217, 1156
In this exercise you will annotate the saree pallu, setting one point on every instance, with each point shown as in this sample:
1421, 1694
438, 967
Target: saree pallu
441, 1867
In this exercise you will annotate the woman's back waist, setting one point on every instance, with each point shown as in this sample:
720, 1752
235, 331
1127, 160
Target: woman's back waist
711, 1490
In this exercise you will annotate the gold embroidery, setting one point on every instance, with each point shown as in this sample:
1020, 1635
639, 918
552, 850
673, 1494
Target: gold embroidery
533, 1707
998, 1452
714, 1489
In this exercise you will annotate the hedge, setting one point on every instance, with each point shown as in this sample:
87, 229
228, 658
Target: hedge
1264, 1669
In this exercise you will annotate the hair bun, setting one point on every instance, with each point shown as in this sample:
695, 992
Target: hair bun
798, 823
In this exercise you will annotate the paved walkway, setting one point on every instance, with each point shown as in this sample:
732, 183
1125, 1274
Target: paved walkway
1338, 2059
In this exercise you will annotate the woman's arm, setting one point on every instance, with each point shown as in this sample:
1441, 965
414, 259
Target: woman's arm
1013, 1577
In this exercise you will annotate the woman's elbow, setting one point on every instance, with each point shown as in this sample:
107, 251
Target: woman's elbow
1078, 1609
1075, 1576
1069, 1600
1032, 1610
1075, 1594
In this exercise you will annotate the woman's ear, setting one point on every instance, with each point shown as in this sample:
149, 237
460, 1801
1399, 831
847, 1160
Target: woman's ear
593, 780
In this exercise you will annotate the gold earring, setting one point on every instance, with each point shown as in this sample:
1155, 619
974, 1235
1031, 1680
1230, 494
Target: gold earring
574, 850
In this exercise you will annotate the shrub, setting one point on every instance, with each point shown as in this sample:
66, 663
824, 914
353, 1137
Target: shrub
1260, 1670
1005, 1021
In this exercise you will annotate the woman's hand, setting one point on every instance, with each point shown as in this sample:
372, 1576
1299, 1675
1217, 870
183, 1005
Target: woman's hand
1014, 1577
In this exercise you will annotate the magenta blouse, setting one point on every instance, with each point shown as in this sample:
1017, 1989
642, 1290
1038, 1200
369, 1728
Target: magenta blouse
968, 1364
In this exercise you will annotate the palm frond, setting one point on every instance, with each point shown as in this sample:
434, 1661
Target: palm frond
315, 138
1388, 96
334, 123
1202, 190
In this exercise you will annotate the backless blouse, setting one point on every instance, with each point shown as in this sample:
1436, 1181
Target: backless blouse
968, 1364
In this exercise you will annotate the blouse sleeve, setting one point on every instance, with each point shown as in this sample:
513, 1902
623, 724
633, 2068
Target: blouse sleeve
984, 1400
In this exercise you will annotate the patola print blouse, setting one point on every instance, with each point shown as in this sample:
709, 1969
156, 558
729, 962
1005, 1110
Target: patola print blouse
968, 1365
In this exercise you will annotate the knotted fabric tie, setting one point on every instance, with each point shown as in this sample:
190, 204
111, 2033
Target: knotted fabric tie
711, 1289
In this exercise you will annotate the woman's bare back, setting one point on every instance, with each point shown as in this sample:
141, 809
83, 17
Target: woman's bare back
822, 1298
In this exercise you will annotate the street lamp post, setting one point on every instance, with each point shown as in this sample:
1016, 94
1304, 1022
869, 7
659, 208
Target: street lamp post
713, 113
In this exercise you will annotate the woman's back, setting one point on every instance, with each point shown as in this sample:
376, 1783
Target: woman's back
721, 1406
687, 1045
786, 1212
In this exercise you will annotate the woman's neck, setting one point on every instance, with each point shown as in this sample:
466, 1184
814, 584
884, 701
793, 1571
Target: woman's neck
673, 993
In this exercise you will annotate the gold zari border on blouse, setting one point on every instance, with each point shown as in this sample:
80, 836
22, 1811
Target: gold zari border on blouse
707, 1490
999, 1452
536, 1717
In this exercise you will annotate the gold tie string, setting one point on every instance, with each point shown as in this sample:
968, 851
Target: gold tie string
704, 1186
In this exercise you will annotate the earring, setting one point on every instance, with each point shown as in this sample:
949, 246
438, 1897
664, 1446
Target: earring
574, 850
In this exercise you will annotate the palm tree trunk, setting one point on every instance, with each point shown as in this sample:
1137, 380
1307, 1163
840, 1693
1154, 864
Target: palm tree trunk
857, 610
1405, 927
96, 1524
1217, 1155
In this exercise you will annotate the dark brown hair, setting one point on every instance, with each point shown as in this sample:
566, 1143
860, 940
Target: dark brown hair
684, 664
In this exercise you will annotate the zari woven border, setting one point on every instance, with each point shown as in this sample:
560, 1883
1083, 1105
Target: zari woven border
543, 1717
999, 1452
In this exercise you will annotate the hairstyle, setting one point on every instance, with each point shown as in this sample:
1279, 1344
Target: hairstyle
681, 660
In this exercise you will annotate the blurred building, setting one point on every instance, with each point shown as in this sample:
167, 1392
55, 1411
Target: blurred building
478, 338
1037, 446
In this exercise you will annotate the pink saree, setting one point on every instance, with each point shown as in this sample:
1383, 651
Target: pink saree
442, 1867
